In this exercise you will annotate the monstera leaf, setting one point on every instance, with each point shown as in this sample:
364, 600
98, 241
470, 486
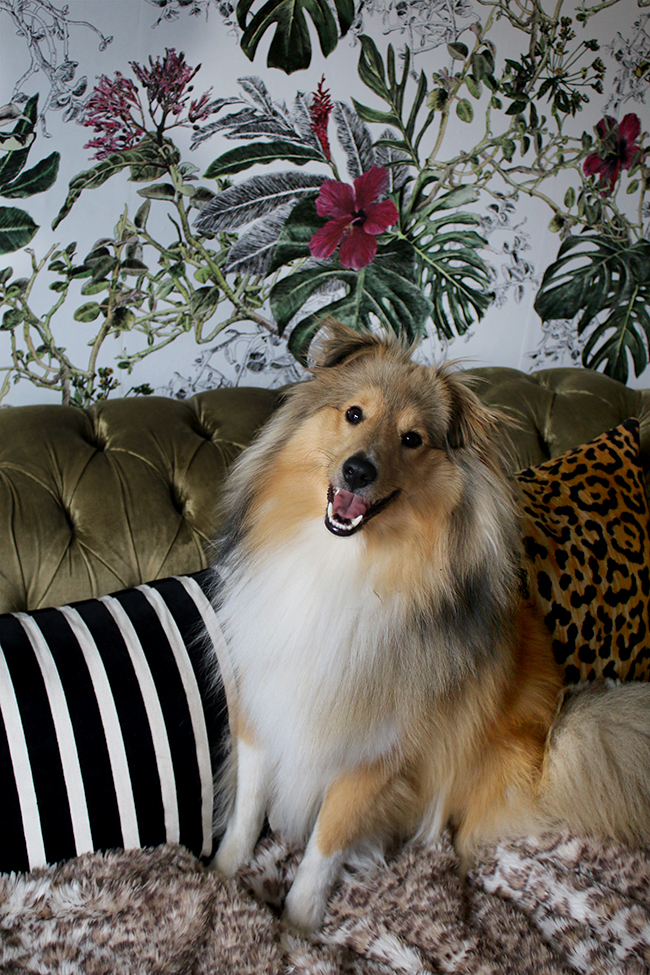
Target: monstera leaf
595, 275
453, 274
290, 48
378, 290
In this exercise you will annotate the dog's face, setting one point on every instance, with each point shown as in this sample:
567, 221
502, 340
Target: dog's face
385, 446
368, 446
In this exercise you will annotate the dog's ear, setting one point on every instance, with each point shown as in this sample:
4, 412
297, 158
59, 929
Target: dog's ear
471, 423
337, 343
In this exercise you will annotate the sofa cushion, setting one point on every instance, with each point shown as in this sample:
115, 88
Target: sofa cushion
109, 724
585, 521
97, 500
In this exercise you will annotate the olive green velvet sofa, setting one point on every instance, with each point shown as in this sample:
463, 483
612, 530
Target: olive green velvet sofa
125, 492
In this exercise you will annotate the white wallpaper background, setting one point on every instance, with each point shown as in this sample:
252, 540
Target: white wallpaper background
525, 190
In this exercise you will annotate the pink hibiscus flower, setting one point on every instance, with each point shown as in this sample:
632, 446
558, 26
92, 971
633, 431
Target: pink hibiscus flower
617, 145
356, 216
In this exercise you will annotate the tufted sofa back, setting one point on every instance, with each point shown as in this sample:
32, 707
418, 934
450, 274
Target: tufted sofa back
92, 501
125, 492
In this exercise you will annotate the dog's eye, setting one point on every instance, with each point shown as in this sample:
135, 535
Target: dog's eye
411, 439
354, 414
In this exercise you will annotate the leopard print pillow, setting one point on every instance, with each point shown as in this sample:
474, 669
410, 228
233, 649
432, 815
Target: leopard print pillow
585, 526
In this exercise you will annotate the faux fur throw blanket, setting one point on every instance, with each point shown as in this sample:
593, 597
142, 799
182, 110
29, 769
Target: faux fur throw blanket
559, 905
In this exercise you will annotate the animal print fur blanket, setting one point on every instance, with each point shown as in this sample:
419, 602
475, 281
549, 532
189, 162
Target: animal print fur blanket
560, 905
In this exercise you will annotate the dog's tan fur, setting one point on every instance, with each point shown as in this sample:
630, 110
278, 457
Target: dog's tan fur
429, 693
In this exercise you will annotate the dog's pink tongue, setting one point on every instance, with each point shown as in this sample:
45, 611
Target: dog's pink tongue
348, 505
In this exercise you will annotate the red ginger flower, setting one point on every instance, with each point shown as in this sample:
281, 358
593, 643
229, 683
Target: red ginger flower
319, 113
356, 217
615, 151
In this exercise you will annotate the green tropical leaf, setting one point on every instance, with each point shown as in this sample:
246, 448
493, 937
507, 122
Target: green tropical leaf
204, 302
385, 289
87, 312
619, 334
508, 148
92, 287
517, 107
398, 89
452, 272
140, 219
458, 50
397, 145
371, 68
139, 158
103, 267
154, 159
355, 139
420, 95
122, 319
438, 268
14, 161
299, 228
11, 319
290, 48
373, 115
158, 191
473, 86
36, 180
256, 197
595, 275
460, 196
482, 64
16, 229
464, 110
437, 99
261, 153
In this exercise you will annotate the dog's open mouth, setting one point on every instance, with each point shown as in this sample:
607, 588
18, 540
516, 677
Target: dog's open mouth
347, 512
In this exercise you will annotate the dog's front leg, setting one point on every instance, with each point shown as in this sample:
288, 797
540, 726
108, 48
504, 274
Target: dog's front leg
247, 819
354, 808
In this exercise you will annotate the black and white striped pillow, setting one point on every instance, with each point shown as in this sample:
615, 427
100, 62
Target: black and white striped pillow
111, 723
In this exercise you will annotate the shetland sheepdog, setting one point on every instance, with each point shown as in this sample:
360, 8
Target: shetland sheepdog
384, 675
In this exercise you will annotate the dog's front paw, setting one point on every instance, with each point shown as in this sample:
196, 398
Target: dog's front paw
303, 909
306, 902
232, 854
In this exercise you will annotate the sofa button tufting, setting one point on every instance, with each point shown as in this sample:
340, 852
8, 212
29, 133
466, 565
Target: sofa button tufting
97, 443
177, 501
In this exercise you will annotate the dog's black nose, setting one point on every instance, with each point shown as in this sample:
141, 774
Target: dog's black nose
358, 471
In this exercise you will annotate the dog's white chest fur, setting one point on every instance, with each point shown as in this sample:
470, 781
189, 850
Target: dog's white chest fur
305, 632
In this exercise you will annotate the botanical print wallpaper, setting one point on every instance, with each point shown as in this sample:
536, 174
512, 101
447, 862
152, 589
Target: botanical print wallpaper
189, 188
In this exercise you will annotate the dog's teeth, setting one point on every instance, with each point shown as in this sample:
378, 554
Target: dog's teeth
330, 511
356, 521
